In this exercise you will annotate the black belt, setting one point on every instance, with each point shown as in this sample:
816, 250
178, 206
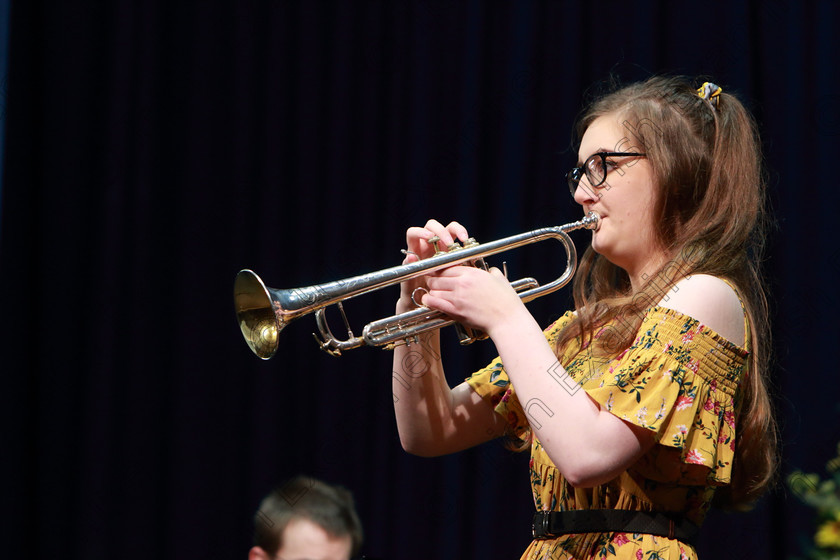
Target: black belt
548, 524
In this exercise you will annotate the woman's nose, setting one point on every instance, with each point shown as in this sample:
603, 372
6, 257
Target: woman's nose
585, 194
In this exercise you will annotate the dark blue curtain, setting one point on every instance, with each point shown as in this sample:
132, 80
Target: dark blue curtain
154, 148
4, 65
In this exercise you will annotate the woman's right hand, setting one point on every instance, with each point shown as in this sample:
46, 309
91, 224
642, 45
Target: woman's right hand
419, 247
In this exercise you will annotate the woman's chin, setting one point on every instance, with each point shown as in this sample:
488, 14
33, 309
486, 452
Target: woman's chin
598, 242
603, 248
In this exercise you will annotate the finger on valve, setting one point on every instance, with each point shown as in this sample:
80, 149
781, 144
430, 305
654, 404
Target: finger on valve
424, 242
447, 235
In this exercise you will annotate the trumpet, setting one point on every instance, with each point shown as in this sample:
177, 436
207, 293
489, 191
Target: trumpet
263, 312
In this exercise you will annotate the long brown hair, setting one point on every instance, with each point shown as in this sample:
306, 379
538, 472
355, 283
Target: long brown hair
710, 218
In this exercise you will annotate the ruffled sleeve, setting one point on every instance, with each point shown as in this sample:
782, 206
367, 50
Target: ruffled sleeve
493, 384
680, 380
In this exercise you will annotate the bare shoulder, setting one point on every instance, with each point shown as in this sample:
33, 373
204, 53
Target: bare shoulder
711, 301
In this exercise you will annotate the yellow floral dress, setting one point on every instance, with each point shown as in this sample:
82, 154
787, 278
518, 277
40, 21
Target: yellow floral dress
680, 380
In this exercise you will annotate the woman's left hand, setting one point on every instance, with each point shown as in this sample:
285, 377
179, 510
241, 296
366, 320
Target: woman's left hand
472, 296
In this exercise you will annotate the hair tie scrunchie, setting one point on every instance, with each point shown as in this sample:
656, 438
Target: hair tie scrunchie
710, 92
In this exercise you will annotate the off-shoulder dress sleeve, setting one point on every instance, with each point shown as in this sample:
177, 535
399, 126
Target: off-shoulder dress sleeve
680, 380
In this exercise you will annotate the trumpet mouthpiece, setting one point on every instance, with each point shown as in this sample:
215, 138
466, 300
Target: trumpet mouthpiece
590, 221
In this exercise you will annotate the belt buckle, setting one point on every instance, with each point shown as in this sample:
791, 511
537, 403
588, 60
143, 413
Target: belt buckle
540, 525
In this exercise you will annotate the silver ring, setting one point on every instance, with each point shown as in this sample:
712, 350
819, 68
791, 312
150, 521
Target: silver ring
414, 301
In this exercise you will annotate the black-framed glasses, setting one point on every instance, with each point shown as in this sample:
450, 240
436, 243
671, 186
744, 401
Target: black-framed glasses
596, 168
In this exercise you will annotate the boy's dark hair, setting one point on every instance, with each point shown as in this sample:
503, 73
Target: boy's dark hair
330, 507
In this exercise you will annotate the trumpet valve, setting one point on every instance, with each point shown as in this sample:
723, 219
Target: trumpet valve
454, 247
435, 241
